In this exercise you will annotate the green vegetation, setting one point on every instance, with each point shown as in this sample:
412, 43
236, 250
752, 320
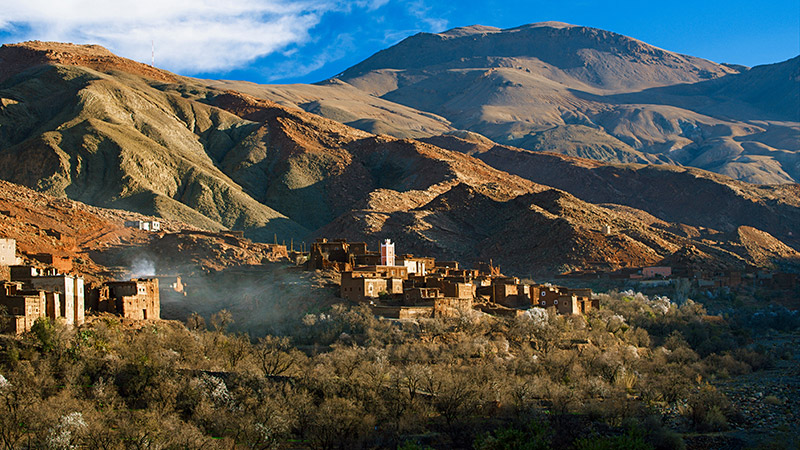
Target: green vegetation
345, 379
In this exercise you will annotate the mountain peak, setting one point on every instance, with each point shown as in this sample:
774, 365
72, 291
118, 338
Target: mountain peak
548, 24
483, 29
469, 30
596, 58
15, 58
56, 50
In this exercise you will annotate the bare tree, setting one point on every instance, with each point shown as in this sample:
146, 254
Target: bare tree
275, 355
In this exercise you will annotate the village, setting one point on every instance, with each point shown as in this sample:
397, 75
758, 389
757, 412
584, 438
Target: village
701, 279
395, 286
407, 286
45, 285
398, 288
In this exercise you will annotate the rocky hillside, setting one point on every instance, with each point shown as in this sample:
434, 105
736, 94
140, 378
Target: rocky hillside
339, 101
99, 245
80, 123
122, 140
674, 194
578, 91
67, 229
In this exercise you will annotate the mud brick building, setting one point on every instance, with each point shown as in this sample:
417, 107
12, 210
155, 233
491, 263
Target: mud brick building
62, 264
507, 291
416, 265
70, 290
8, 252
22, 307
453, 288
564, 300
151, 225
370, 282
421, 295
340, 255
35, 292
137, 299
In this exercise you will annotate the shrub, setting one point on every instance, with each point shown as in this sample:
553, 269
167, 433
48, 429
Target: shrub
633, 439
44, 331
708, 409
534, 436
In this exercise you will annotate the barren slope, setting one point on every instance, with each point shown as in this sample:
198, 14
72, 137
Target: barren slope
574, 90
343, 103
674, 194
119, 140
213, 158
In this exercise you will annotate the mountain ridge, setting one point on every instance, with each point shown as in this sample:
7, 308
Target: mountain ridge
218, 158
576, 90
564, 47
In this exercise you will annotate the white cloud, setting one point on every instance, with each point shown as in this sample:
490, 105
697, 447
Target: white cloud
294, 67
422, 12
370, 5
190, 36
422, 20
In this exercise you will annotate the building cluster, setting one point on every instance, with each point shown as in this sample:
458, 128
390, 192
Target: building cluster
35, 291
340, 255
407, 286
701, 279
509, 292
146, 225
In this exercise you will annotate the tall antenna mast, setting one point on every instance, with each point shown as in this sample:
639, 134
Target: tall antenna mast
153, 53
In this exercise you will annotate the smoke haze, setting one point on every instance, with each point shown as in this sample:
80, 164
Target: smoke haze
142, 268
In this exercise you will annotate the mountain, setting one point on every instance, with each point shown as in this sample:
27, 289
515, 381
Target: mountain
593, 58
79, 122
579, 91
679, 195
110, 132
343, 103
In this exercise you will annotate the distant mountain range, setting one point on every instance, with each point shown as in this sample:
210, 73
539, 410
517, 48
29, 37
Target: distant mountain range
574, 90
80, 122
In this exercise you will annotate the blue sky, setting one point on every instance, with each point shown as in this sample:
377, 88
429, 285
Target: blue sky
287, 41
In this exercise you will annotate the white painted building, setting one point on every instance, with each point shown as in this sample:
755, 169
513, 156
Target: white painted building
146, 225
387, 253
8, 252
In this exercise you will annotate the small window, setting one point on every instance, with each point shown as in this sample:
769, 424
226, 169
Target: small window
543, 303
555, 302
544, 293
